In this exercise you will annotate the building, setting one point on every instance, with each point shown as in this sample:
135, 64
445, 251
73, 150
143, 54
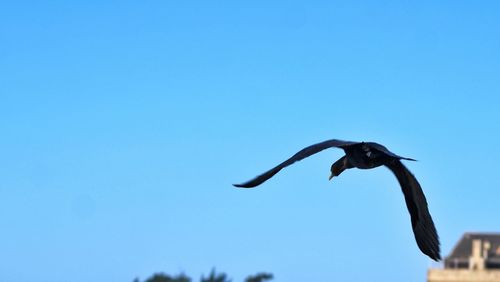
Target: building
476, 257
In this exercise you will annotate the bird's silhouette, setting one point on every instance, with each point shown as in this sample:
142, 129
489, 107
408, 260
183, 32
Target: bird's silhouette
366, 155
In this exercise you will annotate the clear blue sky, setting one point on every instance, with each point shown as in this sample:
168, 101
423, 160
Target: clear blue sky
124, 123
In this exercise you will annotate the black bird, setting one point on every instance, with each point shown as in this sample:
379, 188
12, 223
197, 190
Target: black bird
366, 155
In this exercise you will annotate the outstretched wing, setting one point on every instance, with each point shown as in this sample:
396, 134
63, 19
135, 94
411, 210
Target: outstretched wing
421, 220
302, 154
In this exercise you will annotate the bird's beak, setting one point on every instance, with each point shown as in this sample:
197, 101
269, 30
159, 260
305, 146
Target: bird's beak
331, 176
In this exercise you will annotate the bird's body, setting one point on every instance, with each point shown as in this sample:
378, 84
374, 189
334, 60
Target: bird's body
367, 155
363, 157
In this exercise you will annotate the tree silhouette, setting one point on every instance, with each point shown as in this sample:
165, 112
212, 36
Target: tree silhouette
260, 277
161, 277
215, 277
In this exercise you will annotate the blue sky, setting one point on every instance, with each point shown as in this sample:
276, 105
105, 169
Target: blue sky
125, 123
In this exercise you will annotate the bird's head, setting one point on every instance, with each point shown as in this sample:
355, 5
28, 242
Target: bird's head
335, 170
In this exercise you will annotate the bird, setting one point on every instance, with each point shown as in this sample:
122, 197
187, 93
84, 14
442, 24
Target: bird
368, 155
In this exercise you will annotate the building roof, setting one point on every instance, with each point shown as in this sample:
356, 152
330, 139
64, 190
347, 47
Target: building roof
463, 249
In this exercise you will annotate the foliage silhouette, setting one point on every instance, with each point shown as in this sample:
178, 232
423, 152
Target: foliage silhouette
161, 277
215, 277
260, 277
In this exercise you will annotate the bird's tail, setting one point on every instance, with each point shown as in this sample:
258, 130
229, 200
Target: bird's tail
408, 159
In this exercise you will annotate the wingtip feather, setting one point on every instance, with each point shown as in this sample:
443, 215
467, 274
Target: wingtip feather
242, 186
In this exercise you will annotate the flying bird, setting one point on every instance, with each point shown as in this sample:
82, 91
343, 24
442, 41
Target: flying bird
367, 155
